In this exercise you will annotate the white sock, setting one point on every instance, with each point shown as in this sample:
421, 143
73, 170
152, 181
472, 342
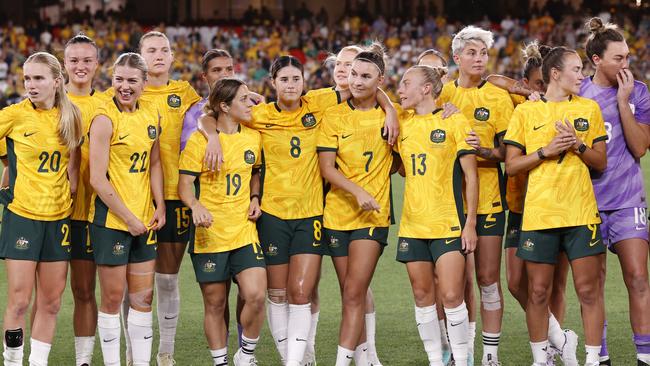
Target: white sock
344, 356
39, 352
458, 330
298, 326
539, 352
371, 330
428, 327
555, 333
141, 334
13, 356
168, 304
83, 347
248, 346
592, 354
444, 341
108, 326
277, 316
490, 346
472, 337
644, 357
219, 357
311, 339
361, 354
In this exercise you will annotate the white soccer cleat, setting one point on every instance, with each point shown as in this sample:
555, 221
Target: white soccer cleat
240, 359
309, 359
165, 359
550, 355
568, 351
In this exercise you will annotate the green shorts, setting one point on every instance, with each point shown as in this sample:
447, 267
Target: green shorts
177, 223
338, 241
513, 231
219, 267
116, 247
34, 240
427, 250
280, 239
543, 246
81, 248
491, 224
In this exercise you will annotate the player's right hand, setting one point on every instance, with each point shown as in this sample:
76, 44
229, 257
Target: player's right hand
367, 202
201, 216
136, 227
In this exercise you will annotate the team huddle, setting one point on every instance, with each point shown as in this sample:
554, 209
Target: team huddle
118, 185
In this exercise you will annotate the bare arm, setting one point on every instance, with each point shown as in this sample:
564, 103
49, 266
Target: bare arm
200, 215
254, 210
488, 153
511, 85
4, 182
73, 169
636, 134
391, 126
156, 181
327, 160
469, 236
207, 125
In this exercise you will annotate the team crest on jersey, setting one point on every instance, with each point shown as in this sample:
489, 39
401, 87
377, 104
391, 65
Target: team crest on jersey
481, 114
581, 124
249, 157
22, 243
118, 248
334, 242
273, 250
403, 246
173, 100
438, 136
308, 120
209, 266
528, 245
151, 130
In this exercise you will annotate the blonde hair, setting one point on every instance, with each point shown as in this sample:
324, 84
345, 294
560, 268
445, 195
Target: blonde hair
332, 56
69, 129
433, 76
133, 60
471, 34
151, 34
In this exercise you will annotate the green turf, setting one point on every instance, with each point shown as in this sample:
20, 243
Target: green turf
397, 338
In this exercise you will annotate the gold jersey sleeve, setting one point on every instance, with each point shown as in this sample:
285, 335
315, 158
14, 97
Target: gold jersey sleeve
559, 192
38, 181
488, 108
292, 184
364, 157
134, 135
517, 99
430, 148
225, 193
172, 101
3, 148
87, 105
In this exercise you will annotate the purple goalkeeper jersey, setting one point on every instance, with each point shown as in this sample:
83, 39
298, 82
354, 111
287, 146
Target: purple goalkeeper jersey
190, 121
621, 184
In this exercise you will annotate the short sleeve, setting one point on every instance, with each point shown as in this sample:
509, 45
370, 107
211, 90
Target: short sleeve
597, 132
445, 94
323, 98
3, 148
7, 119
191, 161
190, 97
462, 130
505, 113
642, 105
328, 139
515, 135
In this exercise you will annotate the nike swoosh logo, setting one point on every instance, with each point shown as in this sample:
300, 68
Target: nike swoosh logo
170, 317
148, 337
123, 137
314, 244
29, 134
281, 340
89, 251
639, 228
591, 244
348, 357
109, 340
300, 340
535, 128
345, 136
450, 241
486, 226
181, 232
269, 126
404, 139
456, 324
259, 257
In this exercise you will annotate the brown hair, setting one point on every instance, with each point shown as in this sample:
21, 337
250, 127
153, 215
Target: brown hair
600, 36
224, 91
533, 55
373, 54
554, 59
81, 38
430, 52
211, 55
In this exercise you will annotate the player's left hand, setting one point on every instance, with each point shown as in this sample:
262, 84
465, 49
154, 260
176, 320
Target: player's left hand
449, 110
158, 219
391, 128
469, 239
213, 155
567, 129
625, 85
473, 140
254, 211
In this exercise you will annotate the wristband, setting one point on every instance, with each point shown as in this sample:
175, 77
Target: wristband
582, 148
256, 196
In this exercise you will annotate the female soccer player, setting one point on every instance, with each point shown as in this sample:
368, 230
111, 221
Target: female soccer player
489, 109
619, 190
42, 134
228, 198
357, 208
173, 98
558, 140
80, 59
434, 238
126, 175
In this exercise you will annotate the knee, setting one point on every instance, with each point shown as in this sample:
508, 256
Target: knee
299, 295
17, 306
354, 295
422, 295
637, 283
141, 299
83, 293
538, 294
111, 301
215, 306
49, 306
277, 295
587, 294
491, 296
452, 298
514, 285
255, 299
485, 277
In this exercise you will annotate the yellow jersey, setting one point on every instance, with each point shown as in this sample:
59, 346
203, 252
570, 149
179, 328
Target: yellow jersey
559, 192
3, 148
39, 188
430, 148
515, 185
488, 108
364, 157
292, 185
134, 135
226, 193
87, 105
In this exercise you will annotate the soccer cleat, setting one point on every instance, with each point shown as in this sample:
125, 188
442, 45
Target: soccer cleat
491, 363
446, 357
373, 359
641, 363
607, 362
165, 359
568, 351
240, 359
309, 359
550, 355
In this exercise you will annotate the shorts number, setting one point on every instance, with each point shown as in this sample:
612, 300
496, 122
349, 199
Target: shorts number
65, 230
182, 217
295, 147
257, 248
608, 129
369, 155
152, 238
317, 229
640, 217
423, 164
233, 182
135, 157
54, 161
593, 229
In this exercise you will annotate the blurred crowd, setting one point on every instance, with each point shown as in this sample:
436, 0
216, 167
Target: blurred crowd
311, 38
